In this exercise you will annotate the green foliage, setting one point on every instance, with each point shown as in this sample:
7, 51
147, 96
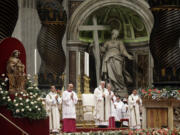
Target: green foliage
158, 94
27, 104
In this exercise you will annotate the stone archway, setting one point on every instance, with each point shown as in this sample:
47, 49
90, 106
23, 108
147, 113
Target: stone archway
89, 6
83, 12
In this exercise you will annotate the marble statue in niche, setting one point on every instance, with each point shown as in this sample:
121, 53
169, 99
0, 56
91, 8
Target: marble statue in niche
113, 70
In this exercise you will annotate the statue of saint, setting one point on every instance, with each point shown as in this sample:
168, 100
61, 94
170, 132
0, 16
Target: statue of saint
113, 63
15, 72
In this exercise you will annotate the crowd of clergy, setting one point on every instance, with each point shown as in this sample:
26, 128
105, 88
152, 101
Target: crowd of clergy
110, 110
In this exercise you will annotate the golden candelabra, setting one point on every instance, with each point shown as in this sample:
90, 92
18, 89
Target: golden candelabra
36, 79
86, 84
79, 86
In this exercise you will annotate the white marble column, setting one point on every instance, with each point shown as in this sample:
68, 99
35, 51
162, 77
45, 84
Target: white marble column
26, 30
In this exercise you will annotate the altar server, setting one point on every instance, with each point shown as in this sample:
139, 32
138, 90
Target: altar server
53, 101
118, 106
125, 113
70, 99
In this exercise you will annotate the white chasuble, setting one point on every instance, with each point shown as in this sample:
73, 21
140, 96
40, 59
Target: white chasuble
103, 106
52, 108
134, 111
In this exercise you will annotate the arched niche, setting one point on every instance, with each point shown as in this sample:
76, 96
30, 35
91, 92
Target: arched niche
78, 22
89, 6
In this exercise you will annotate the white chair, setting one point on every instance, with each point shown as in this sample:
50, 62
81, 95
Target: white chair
88, 109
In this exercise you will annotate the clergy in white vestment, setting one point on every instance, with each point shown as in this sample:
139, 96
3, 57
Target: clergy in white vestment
118, 106
53, 101
102, 105
69, 100
134, 103
110, 99
125, 113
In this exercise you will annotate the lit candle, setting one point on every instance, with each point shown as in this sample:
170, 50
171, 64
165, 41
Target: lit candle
35, 61
86, 63
79, 63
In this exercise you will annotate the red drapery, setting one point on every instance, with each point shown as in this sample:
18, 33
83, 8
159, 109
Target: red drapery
32, 127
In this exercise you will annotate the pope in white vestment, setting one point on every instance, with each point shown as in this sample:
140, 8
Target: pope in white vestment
103, 105
134, 103
53, 101
69, 100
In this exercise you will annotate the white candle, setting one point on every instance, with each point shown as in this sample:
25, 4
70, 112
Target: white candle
79, 63
35, 61
86, 64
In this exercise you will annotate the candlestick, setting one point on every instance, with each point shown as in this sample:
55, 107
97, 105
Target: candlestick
86, 64
35, 61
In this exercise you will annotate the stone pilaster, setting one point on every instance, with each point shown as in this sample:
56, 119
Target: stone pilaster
75, 62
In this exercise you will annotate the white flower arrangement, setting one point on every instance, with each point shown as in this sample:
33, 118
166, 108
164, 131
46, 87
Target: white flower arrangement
6, 79
27, 100
43, 102
30, 88
17, 110
25, 104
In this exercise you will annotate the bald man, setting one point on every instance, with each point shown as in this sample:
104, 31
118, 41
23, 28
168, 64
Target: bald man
69, 100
